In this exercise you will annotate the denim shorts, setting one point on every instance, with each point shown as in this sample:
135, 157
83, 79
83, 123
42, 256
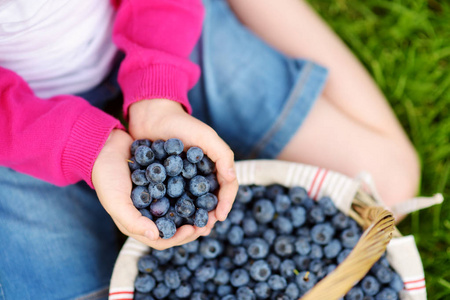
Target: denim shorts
253, 96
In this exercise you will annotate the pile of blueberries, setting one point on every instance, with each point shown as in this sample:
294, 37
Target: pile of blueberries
171, 186
276, 243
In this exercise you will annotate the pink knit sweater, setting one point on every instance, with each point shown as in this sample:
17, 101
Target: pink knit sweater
58, 139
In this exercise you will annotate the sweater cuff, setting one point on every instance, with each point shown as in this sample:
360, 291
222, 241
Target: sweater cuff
87, 138
156, 82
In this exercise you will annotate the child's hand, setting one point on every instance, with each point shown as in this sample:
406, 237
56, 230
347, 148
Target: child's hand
112, 182
163, 119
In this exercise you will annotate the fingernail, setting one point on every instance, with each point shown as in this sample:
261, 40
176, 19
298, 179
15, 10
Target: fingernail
149, 234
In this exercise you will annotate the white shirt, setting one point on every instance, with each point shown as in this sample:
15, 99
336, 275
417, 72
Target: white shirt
57, 46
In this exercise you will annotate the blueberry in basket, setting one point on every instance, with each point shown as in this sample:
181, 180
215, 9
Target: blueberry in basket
171, 186
251, 255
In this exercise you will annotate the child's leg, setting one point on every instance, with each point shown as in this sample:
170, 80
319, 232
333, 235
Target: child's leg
352, 128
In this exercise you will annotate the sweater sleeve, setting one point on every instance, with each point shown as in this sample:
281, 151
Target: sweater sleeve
56, 140
157, 37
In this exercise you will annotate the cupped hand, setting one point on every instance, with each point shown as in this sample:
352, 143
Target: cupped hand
112, 183
163, 119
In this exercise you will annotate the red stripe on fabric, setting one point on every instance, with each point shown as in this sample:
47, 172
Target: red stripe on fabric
314, 181
320, 184
116, 293
414, 281
416, 288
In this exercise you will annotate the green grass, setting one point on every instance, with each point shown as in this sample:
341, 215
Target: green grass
405, 45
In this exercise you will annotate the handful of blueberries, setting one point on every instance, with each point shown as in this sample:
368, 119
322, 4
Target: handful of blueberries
170, 186
276, 243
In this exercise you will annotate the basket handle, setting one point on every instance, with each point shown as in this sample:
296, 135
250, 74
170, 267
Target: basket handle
368, 250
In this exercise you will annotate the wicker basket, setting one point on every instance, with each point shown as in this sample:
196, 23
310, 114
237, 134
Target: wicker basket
351, 197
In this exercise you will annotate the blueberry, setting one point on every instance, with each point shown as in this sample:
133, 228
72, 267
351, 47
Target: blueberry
210, 248
355, 293
156, 173
222, 277
210, 287
260, 270
340, 221
173, 165
328, 206
184, 207
189, 169
199, 296
191, 247
140, 197
292, 291
213, 183
236, 216
157, 190
144, 283
244, 194
173, 146
158, 149
222, 227
198, 186
302, 245
396, 283
226, 262
172, 278
330, 268
184, 272
387, 294
206, 165
259, 191
250, 226
263, 211
173, 216
287, 268
239, 277
224, 290
283, 246
133, 165
159, 207
277, 282
163, 256
305, 281
146, 213
144, 155
370, 285
147, 263
317, 266
175, 186
316, 214
262, 290
139, 142
302, 262
382, 273
349, 237
161, 291
297, 194
200, 217
194, 154
245, 293
283, 225
180, 256
184, 290
207, 201
205, 272
316, 251
258, 248
194, 261
282, 203
274, 262
240, 256
269, 235
158, 274
166, 228
273, 190
322, 233
303, 231
142, 296
332, 249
